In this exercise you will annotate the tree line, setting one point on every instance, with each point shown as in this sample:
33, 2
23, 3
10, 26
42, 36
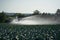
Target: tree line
6, 19
37, 12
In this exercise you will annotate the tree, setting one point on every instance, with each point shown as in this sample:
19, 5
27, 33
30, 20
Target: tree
36, 12
58, 11
19, 15
2, 17
44, 13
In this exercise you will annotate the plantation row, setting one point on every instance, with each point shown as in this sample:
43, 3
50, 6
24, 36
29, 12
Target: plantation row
29, 32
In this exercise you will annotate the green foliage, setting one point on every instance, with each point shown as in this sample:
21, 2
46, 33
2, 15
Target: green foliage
19, 15
36, 12
29, 32
2, 17
58, 11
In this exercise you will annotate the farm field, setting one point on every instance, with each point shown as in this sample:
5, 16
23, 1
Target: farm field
29, 32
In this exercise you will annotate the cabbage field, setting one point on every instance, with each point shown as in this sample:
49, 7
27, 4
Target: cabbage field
29, 32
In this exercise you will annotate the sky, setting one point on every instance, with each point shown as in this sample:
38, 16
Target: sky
28, 6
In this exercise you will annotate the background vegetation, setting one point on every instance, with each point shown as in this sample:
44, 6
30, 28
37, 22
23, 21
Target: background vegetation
8, 18
29, 32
